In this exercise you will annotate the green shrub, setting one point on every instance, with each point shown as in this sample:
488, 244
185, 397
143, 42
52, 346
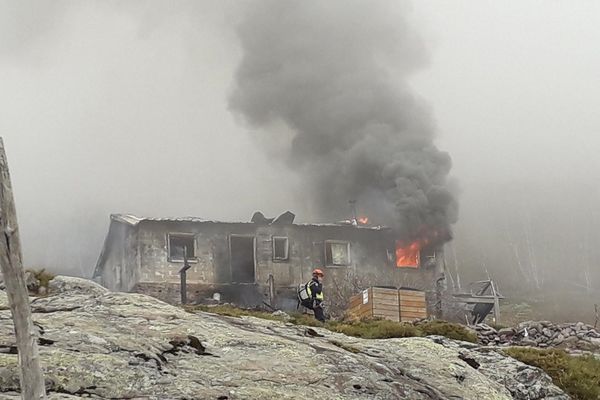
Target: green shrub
448, 329
43, 278
578, 376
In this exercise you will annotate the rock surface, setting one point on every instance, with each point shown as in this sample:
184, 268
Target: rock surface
573, 337
98, 344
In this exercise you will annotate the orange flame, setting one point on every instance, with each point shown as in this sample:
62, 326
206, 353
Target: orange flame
363, 220
408, 256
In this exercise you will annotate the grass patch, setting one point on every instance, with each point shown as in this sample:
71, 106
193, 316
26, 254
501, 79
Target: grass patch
366, 329
578, 376
306, 319
375, 329
449, 330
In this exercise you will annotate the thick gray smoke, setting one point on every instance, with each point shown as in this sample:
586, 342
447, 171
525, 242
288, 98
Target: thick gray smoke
332, 77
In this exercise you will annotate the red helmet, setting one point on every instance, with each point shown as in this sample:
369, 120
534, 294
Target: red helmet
318, 272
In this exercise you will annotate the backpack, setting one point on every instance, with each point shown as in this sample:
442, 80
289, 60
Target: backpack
303, 294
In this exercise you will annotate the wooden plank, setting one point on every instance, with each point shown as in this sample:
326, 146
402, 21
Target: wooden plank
386, 297
411, 292
383, 290
407, 295
411, 298
413, 315
353, 304
11, 265
387, 312
412, 309
386, 305
389, 303
356, 298
385, 294
386, 309
413, 304
387, 315
420, 307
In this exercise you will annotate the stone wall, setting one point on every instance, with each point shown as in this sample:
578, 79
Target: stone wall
246, 295
139, 256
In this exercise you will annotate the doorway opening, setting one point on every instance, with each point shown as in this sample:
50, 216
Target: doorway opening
242, 259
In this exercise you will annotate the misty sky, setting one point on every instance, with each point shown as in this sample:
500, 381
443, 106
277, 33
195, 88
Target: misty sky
112, 107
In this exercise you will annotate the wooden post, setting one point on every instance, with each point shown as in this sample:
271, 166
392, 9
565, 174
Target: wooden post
32, 379
271, 283
183, 273
496, 303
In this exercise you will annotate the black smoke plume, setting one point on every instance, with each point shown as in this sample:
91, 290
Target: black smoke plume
332, 77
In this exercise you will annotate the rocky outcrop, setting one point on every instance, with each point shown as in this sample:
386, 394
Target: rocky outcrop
71, 284
573, 337
98, 344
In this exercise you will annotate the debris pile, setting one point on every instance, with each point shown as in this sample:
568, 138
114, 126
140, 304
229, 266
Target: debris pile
570, 336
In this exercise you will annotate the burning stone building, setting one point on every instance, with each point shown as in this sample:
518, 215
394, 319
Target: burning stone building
259, 261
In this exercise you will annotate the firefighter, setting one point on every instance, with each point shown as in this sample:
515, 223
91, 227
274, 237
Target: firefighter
311, 294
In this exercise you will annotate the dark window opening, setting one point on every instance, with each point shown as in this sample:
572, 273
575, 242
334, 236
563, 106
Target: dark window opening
177, 244
337, 253
242, 259
280, 248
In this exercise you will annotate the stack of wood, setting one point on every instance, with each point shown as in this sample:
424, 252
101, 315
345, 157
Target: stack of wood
402, 305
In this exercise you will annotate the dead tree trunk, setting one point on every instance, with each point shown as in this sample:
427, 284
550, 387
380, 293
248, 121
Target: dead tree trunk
32, 379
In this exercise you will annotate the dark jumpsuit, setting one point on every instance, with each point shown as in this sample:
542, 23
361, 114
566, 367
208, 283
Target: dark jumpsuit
315, 290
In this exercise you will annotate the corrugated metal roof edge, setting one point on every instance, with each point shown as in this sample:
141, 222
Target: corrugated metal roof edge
134, 220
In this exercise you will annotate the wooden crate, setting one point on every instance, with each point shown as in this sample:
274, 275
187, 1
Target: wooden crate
395, 305
375, 302
413, 305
